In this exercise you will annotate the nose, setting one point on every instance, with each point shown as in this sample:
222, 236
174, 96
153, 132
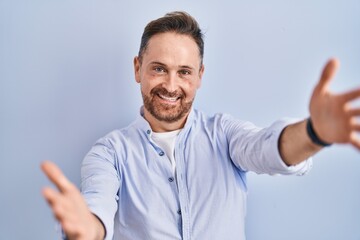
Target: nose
170, 83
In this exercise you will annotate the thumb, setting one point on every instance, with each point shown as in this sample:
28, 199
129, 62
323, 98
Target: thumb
328, 74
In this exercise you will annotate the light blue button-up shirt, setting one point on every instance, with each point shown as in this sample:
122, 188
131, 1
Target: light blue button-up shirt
128, 181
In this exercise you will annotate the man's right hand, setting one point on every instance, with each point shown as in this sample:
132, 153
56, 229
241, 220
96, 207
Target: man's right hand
69, 207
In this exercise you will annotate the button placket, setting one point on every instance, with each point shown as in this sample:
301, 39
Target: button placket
183, 193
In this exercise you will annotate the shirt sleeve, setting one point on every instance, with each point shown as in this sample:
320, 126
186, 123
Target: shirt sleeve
256, 149
100, 183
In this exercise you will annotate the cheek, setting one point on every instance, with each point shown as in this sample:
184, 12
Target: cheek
145, 88
145, 84
190, 89
151, 80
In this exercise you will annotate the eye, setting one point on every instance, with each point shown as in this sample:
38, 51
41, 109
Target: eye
159, 69
184, 72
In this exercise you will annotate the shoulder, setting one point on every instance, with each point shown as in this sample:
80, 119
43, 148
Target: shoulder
215, 123
217, 119
119, 138
202, 116
225, 123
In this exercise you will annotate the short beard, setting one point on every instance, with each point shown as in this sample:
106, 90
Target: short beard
164, 112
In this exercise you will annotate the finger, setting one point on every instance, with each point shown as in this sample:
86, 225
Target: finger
354, 112
327, 74
55, 200
351, 95
355, 127
55, 175
355, 141
50, 195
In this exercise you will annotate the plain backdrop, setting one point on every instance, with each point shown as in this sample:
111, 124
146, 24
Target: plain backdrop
66, 79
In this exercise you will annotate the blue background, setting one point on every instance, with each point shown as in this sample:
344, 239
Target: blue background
66, 79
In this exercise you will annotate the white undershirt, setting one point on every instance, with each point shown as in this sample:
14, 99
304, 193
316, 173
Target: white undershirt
166, 141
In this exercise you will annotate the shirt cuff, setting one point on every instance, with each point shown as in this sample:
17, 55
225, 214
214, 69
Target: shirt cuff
106, 219
280, 167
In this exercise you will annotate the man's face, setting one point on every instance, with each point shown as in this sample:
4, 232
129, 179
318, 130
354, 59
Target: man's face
169, 74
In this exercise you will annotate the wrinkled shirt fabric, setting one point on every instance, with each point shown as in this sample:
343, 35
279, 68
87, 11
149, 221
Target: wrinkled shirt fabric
128, 182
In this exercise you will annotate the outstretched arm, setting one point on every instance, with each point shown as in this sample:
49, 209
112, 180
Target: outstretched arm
70, 208
333, 121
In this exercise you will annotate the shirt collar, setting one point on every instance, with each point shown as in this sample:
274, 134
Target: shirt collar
144, 125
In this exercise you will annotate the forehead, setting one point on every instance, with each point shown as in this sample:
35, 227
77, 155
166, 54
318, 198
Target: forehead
172, 48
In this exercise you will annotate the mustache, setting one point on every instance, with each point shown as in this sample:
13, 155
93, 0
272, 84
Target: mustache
162, 91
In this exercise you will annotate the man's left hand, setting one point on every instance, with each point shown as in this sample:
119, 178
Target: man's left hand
333, 117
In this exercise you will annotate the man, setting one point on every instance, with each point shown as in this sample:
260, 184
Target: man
175, 173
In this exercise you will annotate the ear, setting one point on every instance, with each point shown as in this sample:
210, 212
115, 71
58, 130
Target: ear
137, 66
201, 72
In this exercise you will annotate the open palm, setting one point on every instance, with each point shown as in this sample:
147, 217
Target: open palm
334, 120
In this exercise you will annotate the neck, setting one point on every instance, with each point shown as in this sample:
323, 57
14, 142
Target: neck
163, 126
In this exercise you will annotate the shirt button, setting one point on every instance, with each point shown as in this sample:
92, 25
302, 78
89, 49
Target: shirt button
179, 212
171, 179
148, 131
161, 153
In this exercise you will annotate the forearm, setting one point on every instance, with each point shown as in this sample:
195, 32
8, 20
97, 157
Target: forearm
100, 229
295, 144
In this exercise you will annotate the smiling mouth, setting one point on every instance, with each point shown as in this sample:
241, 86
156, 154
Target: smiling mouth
168, 99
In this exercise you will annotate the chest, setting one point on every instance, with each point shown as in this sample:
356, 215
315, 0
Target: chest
206, 190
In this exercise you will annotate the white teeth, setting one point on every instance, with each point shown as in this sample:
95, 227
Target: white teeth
168, 98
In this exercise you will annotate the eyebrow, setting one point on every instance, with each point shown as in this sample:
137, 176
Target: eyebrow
186, 66
164, 65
